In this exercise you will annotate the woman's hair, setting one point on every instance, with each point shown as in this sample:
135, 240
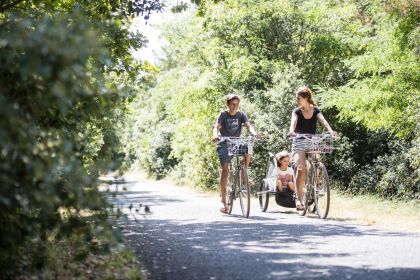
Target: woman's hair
306, 92
281, 155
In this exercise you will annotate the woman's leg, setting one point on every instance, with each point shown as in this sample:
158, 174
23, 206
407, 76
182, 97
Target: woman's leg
300, 160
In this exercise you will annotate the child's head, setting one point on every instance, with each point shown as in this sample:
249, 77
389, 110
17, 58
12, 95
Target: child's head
283, 158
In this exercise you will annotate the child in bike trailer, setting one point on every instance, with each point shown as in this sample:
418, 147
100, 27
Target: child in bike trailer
229, 124
284, 172
304, 120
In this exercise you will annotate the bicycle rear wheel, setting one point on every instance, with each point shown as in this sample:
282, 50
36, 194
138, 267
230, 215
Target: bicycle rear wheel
244, 192
322, 191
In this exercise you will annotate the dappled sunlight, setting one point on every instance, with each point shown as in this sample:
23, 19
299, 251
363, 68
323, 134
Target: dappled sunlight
277, 247
275, 244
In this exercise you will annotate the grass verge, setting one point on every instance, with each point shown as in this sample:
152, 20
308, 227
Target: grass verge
380, 213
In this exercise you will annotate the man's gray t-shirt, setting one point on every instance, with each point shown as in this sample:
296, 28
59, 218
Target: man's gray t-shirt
231, 126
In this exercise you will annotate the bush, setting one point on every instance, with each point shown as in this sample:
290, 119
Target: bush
52, 136
390, 176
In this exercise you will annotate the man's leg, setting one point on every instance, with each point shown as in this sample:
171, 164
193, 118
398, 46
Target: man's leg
223, 182
247, 160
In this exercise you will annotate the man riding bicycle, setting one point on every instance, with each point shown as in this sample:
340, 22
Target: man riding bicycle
229, 124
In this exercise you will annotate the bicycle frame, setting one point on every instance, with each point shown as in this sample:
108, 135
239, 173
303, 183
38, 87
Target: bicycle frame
310, 178
234, 172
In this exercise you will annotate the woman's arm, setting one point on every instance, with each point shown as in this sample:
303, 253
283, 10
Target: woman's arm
324, 123
293, 123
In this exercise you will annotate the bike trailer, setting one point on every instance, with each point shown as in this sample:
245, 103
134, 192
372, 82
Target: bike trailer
286, 199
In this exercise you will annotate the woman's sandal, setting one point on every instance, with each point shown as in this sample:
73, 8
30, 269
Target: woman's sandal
299, 206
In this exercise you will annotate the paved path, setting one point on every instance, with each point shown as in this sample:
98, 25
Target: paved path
185, 237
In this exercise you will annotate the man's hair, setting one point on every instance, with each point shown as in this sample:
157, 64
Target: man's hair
231, 97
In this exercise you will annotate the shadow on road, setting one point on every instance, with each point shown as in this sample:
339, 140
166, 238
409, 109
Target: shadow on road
253, 248
239, 250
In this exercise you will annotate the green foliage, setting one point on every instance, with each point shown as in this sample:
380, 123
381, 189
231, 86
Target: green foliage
360, 57
391, 176
384, 91
270, 114
48, 96
72, 257
66, 79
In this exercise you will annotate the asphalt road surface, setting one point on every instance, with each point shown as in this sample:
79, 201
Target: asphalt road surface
182, 235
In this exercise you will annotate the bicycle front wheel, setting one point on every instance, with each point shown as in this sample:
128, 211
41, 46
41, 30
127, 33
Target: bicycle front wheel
231, 190
322, 191
309, 184
244, 192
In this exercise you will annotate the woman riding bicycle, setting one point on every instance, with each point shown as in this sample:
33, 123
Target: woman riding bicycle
229, 124
304, 121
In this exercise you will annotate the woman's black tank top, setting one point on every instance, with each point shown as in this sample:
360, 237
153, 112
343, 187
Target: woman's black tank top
307, 126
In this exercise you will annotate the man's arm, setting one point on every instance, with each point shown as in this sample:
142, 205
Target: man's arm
216, 129
252, 130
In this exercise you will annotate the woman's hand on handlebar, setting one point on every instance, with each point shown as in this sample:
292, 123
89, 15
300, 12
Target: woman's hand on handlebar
334, 134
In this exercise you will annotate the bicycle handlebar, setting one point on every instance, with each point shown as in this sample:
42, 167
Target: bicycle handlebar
308, 136
237, 139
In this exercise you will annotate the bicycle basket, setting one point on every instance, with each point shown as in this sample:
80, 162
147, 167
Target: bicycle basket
320, 144
240, 147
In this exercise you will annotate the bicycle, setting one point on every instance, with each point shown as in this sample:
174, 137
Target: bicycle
316, 194
238, 184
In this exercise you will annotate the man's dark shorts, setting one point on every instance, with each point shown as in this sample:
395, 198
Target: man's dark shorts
222, 152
